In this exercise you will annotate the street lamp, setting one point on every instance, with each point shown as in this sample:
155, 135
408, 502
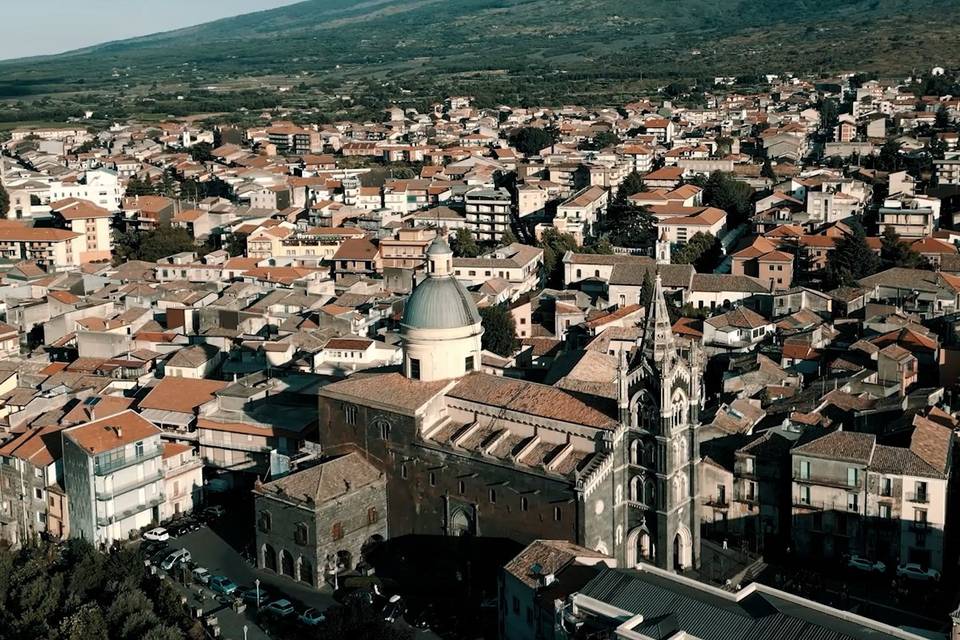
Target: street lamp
244, 632
256, 582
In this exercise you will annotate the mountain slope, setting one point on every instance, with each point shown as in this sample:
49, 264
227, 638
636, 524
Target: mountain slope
426, 42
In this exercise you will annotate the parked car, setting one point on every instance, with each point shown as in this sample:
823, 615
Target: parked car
311, 617
152, 547
252, 595
157, 535
214, 512
174, 558
279, 609
394, 609
914, 571
222, 584
864, 564
201, 575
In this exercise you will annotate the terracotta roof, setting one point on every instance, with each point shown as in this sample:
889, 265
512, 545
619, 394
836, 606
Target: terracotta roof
171, 449
325, 482
546, 557
182, 395
110, 433
359, 344
387, 389
38, 446
531, 398
841, 445
356, 249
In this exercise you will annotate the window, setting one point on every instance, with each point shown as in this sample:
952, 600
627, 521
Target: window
920, 491
853, 475
384, 430
516, 604
337, 531
462, 487
530, 616
433, 479
805, 495
372, 515
804, 469
403, 470
350, 414
885, 511
493, 496
265, 522
557, 514
524, 503
853, 502
53, 502
721, 494
920, 517
886, 487
138, 449
300, 533
414, 368
468, 364
38, 493
749, 464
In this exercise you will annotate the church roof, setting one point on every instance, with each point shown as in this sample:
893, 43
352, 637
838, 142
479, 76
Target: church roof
440, 303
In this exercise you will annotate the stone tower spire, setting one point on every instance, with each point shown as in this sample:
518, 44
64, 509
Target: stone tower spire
658, 343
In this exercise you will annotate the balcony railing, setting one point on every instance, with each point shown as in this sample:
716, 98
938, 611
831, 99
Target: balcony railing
820, 505
919, 526
824, 481
918, 496
106, 468
718, 503
154, 476
104, 520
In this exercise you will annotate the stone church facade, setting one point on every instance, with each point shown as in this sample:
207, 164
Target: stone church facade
470, 453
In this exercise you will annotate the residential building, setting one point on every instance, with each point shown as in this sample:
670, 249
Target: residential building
488, 213
113, 474
90, 221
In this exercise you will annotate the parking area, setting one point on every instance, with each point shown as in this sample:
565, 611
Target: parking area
209, 548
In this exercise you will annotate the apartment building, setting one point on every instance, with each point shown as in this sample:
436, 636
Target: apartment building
408, 250
907, 218
580, 214
948, 171
291, 139
102, 187
182, 479
853, 495
90, 221
113, 472
488, 213
53, 249
28, 471
517, 264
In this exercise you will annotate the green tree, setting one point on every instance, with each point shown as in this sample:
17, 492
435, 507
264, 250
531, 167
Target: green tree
499, 330
603, 139
152, 245
202, 152
507, 238
767, 170
4, 202
631, 185
896, 253
723, 191
646, 290
630, 226
236, 244
359, 621
942, 118
531, 140
555, 245
703, 251
464, 245
851, 259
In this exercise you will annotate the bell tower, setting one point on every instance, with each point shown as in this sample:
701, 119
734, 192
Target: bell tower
659, 512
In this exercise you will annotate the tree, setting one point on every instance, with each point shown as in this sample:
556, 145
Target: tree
851, 259
499, 330
767, 170
646, 290
507, 238
703, 251
4, 202
236, 244
631, 185
531, 140
603, 140
630, 226
359, 621
942, 119
202, 152
555, 245
723, 191
152, 245
464, 245
896, 253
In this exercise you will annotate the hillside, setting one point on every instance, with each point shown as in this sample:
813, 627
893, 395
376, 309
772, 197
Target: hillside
511, 46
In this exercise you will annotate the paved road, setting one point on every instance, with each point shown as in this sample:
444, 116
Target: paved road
209, 550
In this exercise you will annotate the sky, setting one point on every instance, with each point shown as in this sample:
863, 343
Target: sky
37, 27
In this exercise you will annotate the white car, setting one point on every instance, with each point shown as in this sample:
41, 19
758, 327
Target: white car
864, 564
201, 576
914, 571
157, 535
279, 608
180, 556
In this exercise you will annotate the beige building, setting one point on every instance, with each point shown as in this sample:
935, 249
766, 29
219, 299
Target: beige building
53, 249
90, 221
183, 480
488, 213
408, 249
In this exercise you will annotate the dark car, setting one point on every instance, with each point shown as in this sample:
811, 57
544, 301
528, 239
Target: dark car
249, 596
154, 547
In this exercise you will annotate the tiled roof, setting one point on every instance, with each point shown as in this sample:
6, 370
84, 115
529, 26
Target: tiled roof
841, 445
547, 557
324, 482
112, 432
386, 389
182, 395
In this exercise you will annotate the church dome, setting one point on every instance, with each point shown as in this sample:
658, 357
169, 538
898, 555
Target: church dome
440, 303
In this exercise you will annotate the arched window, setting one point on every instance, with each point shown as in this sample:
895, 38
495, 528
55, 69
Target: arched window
372, 515
635, 452
524, 503
618, 494
650, 455
462, 487
650, 493
384, 428
635, 489
301, 533
557, 514
350, 414
336, 531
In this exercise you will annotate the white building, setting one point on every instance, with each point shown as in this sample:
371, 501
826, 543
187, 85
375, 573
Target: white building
100, 186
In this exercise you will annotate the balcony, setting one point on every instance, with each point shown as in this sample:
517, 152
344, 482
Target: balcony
919, 526
156, 476
824, 481
919, 497
235, 446
749, 498
106, 468
104, 521
718, 503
